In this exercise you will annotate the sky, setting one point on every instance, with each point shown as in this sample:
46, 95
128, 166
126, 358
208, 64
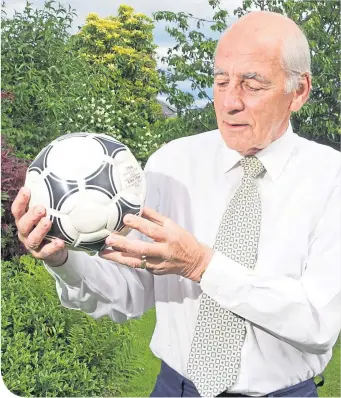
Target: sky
199, 9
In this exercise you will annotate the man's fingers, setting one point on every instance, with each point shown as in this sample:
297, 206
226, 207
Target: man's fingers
153, 216
146, 227
50, 249
27, 222
20, 203
130, 259
136, 247
35, 238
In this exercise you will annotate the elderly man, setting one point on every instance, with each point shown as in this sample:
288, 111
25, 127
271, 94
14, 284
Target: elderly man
240, 242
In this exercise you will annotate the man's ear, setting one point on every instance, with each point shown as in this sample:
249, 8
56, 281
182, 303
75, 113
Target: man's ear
301, 95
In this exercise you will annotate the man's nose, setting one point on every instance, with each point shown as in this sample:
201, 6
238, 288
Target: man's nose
232, 101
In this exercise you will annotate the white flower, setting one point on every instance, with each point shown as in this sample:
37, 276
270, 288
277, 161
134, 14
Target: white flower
132, 101
107, 120
70, 120
92, 100
119, 119
83, 84
128, 124
84, 98
103, 101
98, 120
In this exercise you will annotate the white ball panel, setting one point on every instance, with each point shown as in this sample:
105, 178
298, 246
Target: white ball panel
68, 226
94, 236
70, 203
88, 216
75, 158
131, 197
39, 192
113, 215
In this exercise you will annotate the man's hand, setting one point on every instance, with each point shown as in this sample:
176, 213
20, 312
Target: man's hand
32, 227
174, 250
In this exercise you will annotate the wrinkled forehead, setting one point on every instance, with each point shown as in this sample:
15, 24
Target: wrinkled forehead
245, 56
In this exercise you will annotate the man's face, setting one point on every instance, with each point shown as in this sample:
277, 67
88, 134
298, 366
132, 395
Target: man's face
251, 106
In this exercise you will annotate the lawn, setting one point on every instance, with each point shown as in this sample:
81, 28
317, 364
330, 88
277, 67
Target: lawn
142, 385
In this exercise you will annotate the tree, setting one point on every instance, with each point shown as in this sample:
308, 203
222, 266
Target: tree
101, 80
44, 75
192, 59
124, 44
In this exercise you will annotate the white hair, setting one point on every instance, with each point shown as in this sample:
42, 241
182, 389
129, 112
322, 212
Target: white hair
295, 59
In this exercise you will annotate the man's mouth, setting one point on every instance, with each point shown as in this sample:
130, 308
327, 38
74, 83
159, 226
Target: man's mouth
236, 125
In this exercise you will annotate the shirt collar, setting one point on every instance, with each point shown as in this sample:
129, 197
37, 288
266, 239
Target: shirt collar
274, 157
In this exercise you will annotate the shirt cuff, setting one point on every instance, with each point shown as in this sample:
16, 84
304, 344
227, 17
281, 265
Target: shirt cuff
73, 270
226, 281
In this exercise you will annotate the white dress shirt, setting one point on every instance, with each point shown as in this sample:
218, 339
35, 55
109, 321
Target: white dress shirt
291, 301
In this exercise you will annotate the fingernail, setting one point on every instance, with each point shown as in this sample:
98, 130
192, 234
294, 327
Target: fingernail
58, 243
128, 218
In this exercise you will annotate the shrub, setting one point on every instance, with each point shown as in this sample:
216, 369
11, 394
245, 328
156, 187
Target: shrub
12, 179
48, 350
58, 89
46, 75
192, 122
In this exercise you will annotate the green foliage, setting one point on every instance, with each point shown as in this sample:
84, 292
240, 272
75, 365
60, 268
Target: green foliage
192, 122
48, 350
123, 45
46, 77
58, 81
192, 59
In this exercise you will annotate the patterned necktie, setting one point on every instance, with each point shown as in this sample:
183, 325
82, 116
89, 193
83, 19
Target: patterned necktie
214, 358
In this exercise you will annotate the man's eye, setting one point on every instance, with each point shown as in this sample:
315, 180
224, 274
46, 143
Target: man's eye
222, 84
251, 88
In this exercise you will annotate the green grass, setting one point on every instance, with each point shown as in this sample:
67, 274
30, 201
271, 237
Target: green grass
143, 384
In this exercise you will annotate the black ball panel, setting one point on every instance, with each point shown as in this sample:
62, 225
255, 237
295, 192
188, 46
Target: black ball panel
57, 231
59, 190
111, 148
103, 178
39, 163
93, 246
125, 207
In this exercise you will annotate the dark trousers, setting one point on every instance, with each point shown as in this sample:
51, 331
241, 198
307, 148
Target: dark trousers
170, 383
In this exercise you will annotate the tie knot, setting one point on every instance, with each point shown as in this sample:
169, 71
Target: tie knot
252, 166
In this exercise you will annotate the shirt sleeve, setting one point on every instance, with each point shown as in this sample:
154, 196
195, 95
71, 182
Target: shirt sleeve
101, 287
303, 312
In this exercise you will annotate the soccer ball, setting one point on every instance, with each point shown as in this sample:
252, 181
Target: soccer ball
87, 182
